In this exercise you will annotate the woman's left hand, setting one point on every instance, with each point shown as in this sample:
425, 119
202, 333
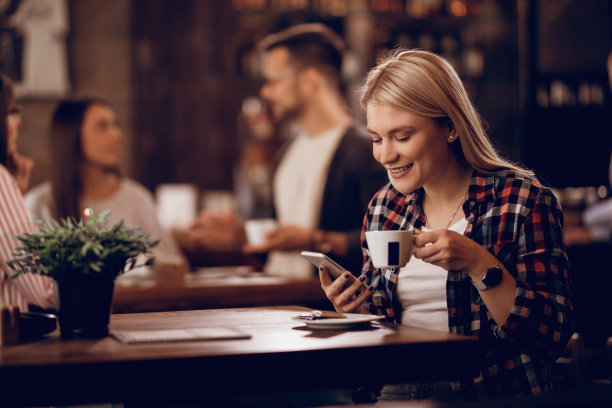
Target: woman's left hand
455, 252
449, 250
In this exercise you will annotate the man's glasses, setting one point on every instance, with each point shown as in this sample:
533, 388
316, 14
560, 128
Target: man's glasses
277, 77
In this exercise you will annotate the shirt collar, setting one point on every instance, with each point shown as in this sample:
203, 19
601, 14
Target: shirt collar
483, 187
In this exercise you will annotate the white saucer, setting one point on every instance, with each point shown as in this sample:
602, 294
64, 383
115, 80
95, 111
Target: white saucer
351, 321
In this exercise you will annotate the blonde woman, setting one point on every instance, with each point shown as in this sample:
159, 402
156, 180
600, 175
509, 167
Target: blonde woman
490, 258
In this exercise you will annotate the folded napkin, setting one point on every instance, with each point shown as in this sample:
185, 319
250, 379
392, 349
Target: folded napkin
321, 314
203, 333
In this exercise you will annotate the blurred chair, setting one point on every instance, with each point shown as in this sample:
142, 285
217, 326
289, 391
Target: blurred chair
591, 286
587, 358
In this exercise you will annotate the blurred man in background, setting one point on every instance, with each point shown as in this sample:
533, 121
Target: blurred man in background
325, 176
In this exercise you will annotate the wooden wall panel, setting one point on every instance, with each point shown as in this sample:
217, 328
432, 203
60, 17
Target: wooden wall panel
185, 92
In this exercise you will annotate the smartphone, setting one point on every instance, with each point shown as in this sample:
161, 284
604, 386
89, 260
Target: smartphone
319, 259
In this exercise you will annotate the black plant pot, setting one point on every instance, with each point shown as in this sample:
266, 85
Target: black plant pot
84, 305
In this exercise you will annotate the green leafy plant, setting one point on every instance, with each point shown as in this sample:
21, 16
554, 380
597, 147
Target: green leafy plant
62, 249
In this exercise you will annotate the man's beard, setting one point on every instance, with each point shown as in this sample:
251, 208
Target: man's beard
290, 115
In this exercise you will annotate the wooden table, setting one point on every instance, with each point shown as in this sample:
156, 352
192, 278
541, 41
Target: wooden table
220, 288
281, 355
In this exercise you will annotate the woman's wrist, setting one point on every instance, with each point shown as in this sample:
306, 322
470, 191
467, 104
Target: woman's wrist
479, 268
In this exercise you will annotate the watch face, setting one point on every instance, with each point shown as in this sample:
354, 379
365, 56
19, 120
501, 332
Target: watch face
493, 276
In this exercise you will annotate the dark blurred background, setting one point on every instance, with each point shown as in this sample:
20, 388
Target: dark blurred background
179, 74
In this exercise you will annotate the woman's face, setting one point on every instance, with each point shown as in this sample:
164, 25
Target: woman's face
100, 136
415, 150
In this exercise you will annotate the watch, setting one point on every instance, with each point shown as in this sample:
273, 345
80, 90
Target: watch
491, 278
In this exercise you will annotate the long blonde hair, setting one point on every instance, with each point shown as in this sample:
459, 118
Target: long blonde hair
425, 84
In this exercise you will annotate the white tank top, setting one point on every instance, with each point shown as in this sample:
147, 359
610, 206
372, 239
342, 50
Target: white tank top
421, 289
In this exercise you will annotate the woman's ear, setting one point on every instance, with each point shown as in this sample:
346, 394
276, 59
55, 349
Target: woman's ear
452, 135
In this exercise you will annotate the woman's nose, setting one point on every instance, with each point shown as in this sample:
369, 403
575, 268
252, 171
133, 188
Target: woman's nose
387, 153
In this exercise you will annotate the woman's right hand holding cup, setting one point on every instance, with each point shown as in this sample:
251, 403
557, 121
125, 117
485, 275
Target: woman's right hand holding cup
343, 292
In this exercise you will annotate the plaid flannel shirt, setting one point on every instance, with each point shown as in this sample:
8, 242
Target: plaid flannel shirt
520, 222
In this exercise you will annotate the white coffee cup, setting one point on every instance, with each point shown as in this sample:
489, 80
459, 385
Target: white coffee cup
390, 249
257, 229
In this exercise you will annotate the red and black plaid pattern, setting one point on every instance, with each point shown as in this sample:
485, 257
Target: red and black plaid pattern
521, 223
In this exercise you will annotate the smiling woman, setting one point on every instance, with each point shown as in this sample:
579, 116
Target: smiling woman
497, 269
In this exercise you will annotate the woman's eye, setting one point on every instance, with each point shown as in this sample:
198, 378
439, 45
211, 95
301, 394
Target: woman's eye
377, 141
403, 138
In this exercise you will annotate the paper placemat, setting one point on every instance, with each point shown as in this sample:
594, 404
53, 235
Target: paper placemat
203, 333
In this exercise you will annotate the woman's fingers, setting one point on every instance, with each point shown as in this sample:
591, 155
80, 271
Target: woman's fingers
347, 293
421, 239
367, 292
446, 249
324, 277
338, 286
359, 293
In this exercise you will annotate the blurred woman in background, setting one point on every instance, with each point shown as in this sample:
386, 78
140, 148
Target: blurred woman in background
86, 147
27, 289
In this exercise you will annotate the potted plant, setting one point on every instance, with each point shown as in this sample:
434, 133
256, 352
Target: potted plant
83, 258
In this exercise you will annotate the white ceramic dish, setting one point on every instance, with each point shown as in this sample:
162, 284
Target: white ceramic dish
352, 321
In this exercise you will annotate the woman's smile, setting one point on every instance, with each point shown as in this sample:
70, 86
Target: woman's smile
399, 172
